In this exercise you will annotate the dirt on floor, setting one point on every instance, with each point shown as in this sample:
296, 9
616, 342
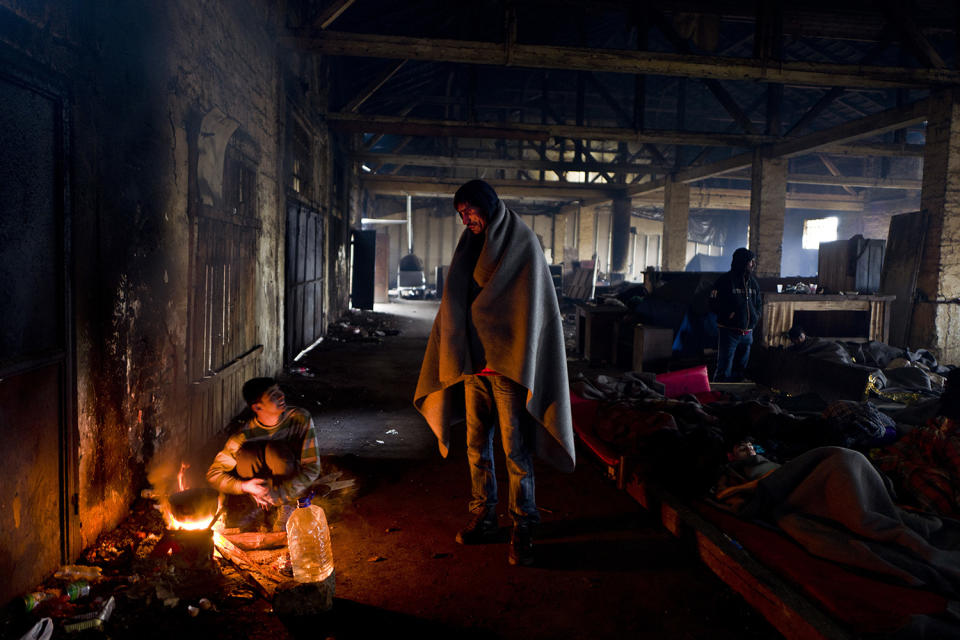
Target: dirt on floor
604, 567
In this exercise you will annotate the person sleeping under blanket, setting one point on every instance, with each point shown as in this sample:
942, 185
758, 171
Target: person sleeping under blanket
836, 505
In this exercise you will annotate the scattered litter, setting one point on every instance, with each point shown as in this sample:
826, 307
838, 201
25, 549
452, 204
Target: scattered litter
380, 442
330, 477
92, 620
392, 432
168, 597
342, 484
206, 605
192, 610
33, 599
71, 572
40, 631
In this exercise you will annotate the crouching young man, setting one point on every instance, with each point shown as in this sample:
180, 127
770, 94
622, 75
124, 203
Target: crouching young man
273, 458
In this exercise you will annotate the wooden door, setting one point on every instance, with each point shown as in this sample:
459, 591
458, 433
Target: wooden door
303, 301
36, 387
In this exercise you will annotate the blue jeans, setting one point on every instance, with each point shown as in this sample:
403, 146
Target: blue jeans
733, 353
492, 400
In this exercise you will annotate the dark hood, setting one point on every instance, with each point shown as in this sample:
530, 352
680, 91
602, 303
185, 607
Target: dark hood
481, 195
740, 259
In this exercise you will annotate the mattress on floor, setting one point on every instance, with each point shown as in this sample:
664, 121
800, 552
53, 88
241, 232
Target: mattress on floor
862, 603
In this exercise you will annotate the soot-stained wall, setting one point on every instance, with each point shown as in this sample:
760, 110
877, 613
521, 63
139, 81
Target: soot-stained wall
141, 79
154, 71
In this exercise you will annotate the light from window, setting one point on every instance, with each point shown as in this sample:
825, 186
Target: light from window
819, 230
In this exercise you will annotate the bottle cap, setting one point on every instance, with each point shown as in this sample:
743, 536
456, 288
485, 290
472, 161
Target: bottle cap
305, 500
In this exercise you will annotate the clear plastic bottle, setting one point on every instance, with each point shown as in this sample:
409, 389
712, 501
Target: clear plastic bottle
308, 537
79, 572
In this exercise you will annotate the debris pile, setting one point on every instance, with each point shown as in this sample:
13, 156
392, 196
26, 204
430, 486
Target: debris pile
133, 585
362, 326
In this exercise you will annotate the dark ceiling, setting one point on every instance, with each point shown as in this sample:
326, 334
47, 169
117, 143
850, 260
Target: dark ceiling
424, 82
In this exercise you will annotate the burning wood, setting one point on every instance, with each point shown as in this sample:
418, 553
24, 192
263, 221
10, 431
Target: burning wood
265, 579
255, 541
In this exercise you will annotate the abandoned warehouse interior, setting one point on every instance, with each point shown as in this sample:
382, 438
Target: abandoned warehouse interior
195, 194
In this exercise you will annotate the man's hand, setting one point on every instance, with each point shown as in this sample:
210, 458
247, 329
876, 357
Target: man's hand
259, 491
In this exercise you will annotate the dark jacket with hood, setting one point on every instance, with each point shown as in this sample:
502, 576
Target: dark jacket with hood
737, 292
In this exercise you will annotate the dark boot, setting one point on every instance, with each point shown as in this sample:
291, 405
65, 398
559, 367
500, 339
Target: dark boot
481, 528
521, 546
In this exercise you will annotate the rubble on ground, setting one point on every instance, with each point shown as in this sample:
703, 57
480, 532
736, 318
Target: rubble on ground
361, 326
157, 593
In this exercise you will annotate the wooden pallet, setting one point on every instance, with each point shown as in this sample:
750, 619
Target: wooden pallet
788, 610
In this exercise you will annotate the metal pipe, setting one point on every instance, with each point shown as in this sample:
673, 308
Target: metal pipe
596, 254
409, 224
610, 246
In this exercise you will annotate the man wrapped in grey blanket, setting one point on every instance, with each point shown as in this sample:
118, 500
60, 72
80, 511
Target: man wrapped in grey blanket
835, 504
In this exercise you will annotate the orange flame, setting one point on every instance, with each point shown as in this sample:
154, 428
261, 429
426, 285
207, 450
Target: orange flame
180, 481
188, 525
171, 521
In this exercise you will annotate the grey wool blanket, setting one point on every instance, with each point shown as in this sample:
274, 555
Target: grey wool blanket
834, 503
516, 319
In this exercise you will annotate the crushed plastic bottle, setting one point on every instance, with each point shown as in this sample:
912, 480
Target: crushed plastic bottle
32, 600
308, 537
72, 572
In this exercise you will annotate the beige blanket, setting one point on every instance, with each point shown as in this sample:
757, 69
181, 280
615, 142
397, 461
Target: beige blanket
518, 322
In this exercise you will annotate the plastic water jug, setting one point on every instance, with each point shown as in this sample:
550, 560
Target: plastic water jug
308, 537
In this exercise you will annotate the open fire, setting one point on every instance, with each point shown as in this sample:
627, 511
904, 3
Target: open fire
195, 532
189, 516
190, 509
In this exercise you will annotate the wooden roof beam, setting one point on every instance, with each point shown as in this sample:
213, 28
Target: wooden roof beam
873, 150
842, 181
373, 86
614, 60
874, 124
926, 53
331, 13
363, 123
700, 198
834, 171
524, 189
515, 165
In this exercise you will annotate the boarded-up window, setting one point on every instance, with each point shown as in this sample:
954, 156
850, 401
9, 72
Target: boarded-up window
299, 161
223, 326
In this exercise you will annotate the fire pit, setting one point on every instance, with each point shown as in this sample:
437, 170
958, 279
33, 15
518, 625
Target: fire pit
193, 509
189, 516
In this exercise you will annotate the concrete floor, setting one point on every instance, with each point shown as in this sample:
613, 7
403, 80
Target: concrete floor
605, 568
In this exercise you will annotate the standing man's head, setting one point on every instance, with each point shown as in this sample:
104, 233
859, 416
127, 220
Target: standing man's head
743, 261
265, 399
476, 201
